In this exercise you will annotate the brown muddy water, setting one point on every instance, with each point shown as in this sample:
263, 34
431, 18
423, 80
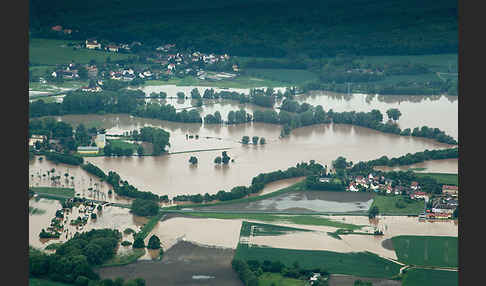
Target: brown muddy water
438, 111
391, 226
306, 201
168, 174
450, 166
183, 264
204, 232
82, 181
109, 217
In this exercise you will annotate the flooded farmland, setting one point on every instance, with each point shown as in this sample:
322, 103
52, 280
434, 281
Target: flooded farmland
168, 174
206, 232
306, 201
183, 264
109, 217
450, 166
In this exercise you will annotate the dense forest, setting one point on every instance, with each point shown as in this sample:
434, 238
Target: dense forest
257, 28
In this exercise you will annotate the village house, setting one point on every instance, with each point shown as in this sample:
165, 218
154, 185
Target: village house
418, 195
91, 89
57, 28
450, 190
414, 185
352, 187
235, 68
92, 44
112, 48
36, 138
68, 31
443, 208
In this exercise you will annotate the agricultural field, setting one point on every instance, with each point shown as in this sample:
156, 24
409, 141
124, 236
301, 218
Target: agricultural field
240, 81
269, 279
295, 219
442, 178
50, 52
293, 76
54, 191
388, 205
429, 277
438, 251
43, 282
437, 63
358, 263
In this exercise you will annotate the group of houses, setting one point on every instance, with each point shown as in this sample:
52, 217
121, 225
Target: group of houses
99, 143
380, 184
443, 207
93, 44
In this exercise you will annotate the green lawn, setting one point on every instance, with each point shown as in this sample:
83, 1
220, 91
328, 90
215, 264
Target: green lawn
295, 219
293, 76
269, 279
54, 191
387, 205
363, 264
442, 178
420, 277
439, 251
122, 144
43, 282
51, 52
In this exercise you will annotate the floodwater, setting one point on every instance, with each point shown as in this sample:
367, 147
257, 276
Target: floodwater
280, 184
82, 181
390, 225
432, 166
200, 231
109, 217
437, 111
168, 174
306, 201
184, 264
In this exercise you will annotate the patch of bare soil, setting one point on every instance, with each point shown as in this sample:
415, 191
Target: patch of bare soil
183, 264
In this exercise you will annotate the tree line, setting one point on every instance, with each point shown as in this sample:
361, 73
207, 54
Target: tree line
73, 260
257, 183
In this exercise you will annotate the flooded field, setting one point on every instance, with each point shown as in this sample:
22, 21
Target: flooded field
416, 110
205, 232
84, 184
306, 201
109, 217
319, 239
183, 264
450, 166
323, 143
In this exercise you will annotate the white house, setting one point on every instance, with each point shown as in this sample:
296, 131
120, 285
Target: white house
353, 188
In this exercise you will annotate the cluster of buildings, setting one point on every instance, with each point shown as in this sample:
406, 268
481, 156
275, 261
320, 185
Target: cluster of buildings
93, 44
443, 206
99, 141
380, 184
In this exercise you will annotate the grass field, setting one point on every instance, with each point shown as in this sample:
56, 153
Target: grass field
442, 178
269, 279
241, 81
54, 191
43, 282
292, 76
122, 144
429, 277
386, 205
358, 263
295, 219
439, 251
46, 52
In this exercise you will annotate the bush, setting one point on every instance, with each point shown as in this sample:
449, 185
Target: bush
143, 207
154, 242
138, 243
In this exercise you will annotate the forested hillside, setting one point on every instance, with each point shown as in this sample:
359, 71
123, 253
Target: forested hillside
257, 28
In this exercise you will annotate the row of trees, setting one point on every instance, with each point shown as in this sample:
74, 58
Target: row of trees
143, 207
249, 271
254, 140
257, 183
